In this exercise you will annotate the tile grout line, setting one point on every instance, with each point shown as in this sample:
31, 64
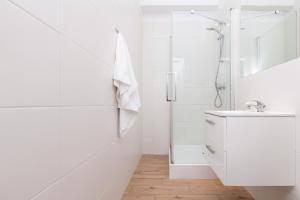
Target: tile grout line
73, 169
35, 17
59, 32
59, 106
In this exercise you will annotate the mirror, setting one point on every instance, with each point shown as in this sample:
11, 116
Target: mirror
268, 38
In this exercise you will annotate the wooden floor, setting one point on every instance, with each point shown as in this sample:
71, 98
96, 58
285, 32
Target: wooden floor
150, 182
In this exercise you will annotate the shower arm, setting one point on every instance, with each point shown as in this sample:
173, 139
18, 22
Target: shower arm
276, 12
207, 17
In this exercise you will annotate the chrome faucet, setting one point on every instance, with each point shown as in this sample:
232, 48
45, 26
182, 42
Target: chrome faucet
256, 105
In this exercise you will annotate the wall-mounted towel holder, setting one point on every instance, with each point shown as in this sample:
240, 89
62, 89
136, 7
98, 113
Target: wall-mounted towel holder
117, 30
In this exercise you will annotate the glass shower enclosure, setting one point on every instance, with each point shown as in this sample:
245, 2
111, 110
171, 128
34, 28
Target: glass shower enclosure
199, 79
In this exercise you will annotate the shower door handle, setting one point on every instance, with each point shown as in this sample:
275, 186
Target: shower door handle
171, 87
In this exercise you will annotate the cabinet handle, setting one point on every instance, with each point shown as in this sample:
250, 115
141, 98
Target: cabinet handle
210, 122
210, 149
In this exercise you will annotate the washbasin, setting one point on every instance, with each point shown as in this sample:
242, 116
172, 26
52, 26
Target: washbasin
246, 113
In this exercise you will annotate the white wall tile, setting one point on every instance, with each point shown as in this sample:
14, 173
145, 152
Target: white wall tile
84, 22
29, 151
84, 81
125, 160
67, 147
47, 12
29, 60
156, 62
86, 181
79, 19
157, 48
85, 131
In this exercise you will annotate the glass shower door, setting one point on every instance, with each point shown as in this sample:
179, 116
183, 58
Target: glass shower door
195, 59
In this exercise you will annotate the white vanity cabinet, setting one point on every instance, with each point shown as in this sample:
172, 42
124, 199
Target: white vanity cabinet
251, 149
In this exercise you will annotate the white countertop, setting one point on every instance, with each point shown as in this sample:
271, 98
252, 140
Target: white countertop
245, 113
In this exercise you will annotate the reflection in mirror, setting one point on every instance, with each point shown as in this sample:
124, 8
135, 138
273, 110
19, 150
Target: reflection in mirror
268, 38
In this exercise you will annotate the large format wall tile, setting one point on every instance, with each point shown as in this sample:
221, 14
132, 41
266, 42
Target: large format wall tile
29, 151
117, 162
84, 81
88, 181
46, 11
59, 137
90, 24
85, 131
29, 56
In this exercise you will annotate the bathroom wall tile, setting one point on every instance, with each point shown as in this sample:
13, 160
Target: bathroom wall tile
156, 62
161, 124
84, 81
105, 50
83, 22
79, 19
29, 151
46, 11
88, 181
157, 49
117, 162
125, 160
147, 124
85, 131
29, 60
71, 149
156, 128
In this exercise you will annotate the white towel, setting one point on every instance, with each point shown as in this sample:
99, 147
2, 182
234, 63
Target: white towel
127, 87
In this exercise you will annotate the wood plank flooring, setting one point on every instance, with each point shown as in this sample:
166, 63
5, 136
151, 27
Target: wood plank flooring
151, 182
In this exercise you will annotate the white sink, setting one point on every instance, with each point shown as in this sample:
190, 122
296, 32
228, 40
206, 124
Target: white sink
246, 113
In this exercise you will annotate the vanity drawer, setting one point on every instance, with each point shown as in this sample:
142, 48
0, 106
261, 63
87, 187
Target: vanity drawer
215, 128
241, 150
215, 157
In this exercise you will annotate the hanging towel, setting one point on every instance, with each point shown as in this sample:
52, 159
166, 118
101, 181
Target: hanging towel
127, 87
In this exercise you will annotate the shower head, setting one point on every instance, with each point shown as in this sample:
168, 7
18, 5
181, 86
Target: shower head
213, 29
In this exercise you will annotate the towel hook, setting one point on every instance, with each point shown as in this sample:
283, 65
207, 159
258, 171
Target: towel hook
117, 30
